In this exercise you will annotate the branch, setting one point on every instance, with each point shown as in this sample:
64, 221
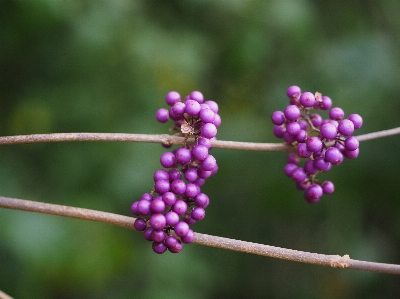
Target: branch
334, 261
165, 139
4, 296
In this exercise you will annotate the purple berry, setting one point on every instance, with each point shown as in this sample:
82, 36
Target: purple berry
189, 238
213, 105
192, 190
162, 186
328, 187
197, 96
314, 144
178, 108
183, 155
313, 193
170, 241
171, 218
143, 207
169, 198
336, 113
160, 175
351, 143
293, 91
134, 209
147, 196
192, 107
293, 128
158, 235
289, 169
217, 120
191, 174
204, 141
140, 224
159, 248
351, 154
180, 207
178, 187
157, 221
279, 131
289, 138
200, 152
177, 248
162, 115
202, 200
309, 167
328, 131
208, 130
157, 205
174, 174
346, 127
147, 233
181, 229
301, 136
168, 159
298, 175
303, 151
334, 156
278, 118
321, 165
292, 112
172, 97
357, 120
292, 158
326, 103
316, 119
207, 115
307, 99
198, 213
209, 163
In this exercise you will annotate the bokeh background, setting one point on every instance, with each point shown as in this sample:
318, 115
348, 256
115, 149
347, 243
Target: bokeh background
106, 66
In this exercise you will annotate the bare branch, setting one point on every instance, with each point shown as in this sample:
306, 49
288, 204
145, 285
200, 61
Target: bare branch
334, 261
4, 296
165, 139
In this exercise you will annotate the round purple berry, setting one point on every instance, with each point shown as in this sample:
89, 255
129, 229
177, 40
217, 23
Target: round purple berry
171, 218
200, 152
279, 131
189, 238
307, 99
314, 144
328, 187
357, 120
293, 128
328, 131
181, 229
293, 91
346, 127
313, 193
336, 113
209, 163
278, 118
351, 154
292, 112
180, 207
183, 155
213, 105
208, 130
162, 115
192, 107
289, 169
303, 151
143, 207
160, 174
178, 108
159, 248
198, 213
177, 248
298, 175
140, 224
351, 143
178, 187
172, 97
157, 221
191, 174
334, 156
162, 186
197, 96
326, 103
168, 159
169, 198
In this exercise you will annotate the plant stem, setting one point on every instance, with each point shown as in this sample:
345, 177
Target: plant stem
334, 261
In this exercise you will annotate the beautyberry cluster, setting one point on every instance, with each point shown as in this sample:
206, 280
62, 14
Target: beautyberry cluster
176, 201
323, 142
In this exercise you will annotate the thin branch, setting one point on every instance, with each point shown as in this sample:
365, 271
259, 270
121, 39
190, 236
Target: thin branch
165, 139
334, 261
4, 296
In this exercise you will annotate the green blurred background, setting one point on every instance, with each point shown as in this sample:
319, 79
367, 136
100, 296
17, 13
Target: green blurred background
106, 66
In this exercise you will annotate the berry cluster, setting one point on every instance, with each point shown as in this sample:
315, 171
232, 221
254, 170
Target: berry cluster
176, 200
323, 142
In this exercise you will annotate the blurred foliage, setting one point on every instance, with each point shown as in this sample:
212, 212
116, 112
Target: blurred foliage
105, 66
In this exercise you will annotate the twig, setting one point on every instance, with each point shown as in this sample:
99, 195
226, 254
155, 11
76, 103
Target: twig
4, 296
334, 261
166, 139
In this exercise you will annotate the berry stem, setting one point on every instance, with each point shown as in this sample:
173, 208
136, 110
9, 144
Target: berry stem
334, 261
